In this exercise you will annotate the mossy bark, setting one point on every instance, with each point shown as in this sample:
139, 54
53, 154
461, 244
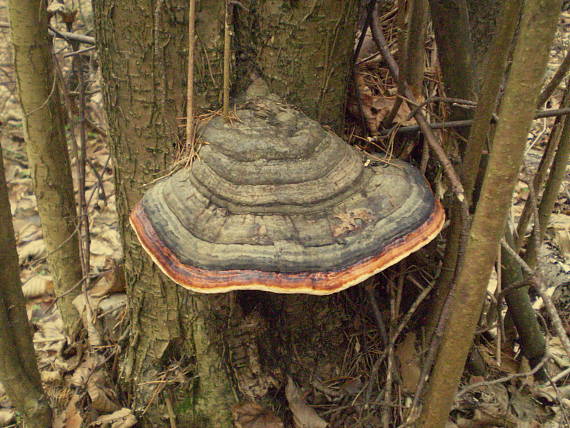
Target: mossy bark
529, 61
143, 60
522, 313
47, 149
300, 49
483, 16
143, 50
18, 369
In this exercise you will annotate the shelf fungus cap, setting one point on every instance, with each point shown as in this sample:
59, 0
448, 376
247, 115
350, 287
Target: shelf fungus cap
274, 202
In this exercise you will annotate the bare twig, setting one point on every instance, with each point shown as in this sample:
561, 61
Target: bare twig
72, 36
465, 123
190, 83
420, 118
536, 281
503, 379
555, 81
376, 310
79, 52
542, 172
227, 57
453, 101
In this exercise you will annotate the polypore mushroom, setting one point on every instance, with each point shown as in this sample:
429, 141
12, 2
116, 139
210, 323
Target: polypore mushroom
275, 202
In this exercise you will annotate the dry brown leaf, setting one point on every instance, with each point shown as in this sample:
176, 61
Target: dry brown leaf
352, 386
83, 372
51, 376
350, 221
38, 285
101, 247
7, 416
561, 225
31, 250
71, 417
50, 338
102, 397
87, 308
109, 283
253, 415
375, 108
409, 363
122, 418
303, 415
26, 230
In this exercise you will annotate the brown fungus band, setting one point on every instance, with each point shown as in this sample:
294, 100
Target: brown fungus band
275, 202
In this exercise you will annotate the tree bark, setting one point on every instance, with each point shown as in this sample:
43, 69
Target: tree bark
529, 61
483, 16
145, 75
301, 50
47, 149
456, 60
18, 369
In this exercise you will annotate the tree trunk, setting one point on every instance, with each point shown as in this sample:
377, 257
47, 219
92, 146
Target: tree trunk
47, 149
483, 16
302, 51
145, 72
529, 62
18, 369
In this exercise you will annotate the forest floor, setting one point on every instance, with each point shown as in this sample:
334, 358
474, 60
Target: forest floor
82, 389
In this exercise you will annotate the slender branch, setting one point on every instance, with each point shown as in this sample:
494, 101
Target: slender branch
227, 58
453, 101
466, 123
190, 83
66, 35
536, 34
555, 81
552, 188
538, 284
376, 310
542, 172
420, 118
503, 379
494, 74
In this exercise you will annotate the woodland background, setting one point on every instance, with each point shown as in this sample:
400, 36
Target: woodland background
130, 359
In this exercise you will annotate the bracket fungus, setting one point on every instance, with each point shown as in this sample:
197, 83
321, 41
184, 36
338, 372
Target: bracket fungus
275, 202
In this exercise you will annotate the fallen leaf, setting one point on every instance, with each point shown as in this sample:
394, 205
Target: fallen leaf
101, 247
122, 418
253, 415
7, 416
409, 363
109, 283
83, 372
38, 285
561, 225
352, 386
102, 397
51, 376
87, 307
31, 250
350, 221
71, 417
303, 415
